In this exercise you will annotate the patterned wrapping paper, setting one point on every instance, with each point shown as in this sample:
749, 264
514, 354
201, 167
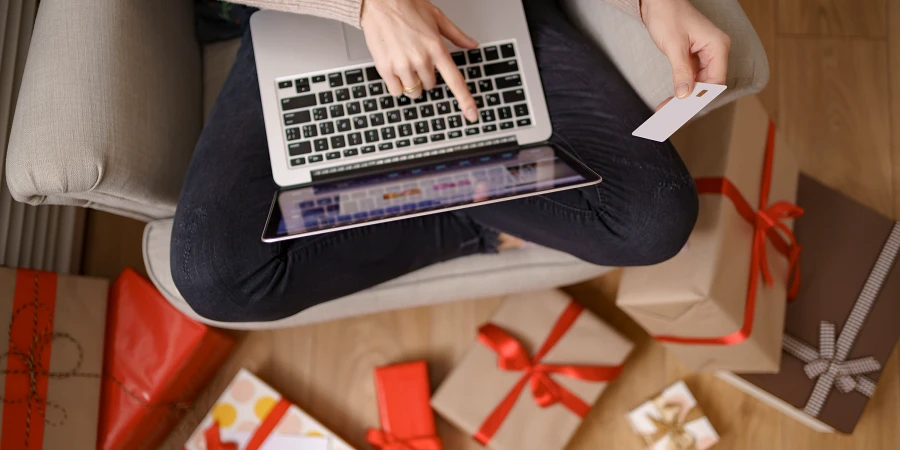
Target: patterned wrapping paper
540, 364
843, 326
701, 304
673, 420
244, 409
51, 331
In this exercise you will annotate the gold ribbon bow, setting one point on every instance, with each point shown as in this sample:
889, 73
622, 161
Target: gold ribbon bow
671, 423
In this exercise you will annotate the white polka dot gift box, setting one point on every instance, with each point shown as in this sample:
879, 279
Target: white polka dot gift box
250, 415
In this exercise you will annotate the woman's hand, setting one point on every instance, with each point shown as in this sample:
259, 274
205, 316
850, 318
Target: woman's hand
696, 48
405, 38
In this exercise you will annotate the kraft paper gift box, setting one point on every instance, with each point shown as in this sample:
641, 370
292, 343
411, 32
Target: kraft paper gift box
710, 305
253, 416
539, 365
52, 333
407, 420
842, 327
673, 420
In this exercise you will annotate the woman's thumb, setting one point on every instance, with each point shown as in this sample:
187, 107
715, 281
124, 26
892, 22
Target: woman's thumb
682, 72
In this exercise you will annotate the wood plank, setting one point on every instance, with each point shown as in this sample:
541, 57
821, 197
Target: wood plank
833, 17
894, 80
762, 16
833, 109
111, 244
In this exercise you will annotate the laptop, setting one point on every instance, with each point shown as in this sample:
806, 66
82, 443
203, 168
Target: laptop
345, 153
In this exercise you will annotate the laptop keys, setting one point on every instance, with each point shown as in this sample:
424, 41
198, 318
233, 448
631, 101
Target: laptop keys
385, 146
314, 158
338, 142
376, 119
371, 136
343, 125
321, 145
302, 101
501, 68
292, 134
359, 91
410, 114
302, 85
320, 114
285, 84
491, 54
355, 139
335, 80
298, 162
394, 116
387, 102
388, 133
370, 105
508, 81
376, 89
506, 125
475, 56
310, 131
443, 108
354, 76
337, 111
326, 97
333, 155
351, 152
299, 148
368, 149
353, 108
297, 118
508, 50
513, 96
405, 130
504, 113
360, 122
326, 128
521, 110
459, 58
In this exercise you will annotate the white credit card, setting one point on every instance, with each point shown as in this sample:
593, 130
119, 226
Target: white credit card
678, 112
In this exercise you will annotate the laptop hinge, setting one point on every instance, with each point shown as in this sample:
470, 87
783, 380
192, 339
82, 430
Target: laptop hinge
389, 163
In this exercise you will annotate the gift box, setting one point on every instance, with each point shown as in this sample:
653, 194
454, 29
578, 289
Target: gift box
673, 420
52, 343
842, 327
157, 361
250, 415
546, 342
407, 420
719, 303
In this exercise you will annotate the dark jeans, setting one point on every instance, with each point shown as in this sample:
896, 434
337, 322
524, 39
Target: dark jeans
642, 213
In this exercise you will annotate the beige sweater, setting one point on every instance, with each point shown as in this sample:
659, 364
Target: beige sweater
349, 10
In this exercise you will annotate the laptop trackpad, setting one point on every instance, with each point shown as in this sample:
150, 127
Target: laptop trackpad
355, 41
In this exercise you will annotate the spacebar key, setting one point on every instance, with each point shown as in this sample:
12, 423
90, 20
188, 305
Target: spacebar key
501, 68
301, 101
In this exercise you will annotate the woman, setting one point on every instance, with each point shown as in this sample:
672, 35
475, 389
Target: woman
641, 214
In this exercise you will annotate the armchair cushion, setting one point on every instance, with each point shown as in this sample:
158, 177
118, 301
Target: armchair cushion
628, 44
110, 106
477, 276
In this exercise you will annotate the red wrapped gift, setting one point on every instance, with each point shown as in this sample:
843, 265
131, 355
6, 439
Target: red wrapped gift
156, 360
404, 403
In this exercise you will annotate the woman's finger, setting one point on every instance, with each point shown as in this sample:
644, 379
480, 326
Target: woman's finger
412, 86
452, 32
457, 85
425, 72
715, 62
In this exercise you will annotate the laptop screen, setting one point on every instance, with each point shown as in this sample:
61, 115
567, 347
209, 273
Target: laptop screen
427, 188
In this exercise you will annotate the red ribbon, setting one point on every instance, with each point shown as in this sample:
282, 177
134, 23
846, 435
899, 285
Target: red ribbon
512, 356
767, 221
214, 439
386, 441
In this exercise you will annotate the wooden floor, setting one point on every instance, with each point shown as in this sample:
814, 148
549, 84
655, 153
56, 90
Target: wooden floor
835, 93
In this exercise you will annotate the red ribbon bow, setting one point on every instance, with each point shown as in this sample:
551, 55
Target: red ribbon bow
768, 221
386, 441
547, 392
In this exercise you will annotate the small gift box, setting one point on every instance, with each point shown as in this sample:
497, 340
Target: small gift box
547, 342
673, 421
842, 327
52, 343
250, 415
719, 303
407, 420
157, 361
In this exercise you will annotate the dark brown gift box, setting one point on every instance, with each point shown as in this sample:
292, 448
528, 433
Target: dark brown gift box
849, 259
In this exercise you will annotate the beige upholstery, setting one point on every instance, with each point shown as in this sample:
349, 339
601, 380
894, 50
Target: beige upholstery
109, 108
520, 270
628, 44
127, 83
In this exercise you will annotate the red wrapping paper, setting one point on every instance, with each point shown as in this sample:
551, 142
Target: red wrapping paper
404, 404
156, 360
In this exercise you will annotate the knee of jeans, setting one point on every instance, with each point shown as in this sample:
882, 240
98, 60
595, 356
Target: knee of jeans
662, 225
209, 275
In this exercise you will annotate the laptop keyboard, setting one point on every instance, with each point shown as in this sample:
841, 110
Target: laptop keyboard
348, 113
